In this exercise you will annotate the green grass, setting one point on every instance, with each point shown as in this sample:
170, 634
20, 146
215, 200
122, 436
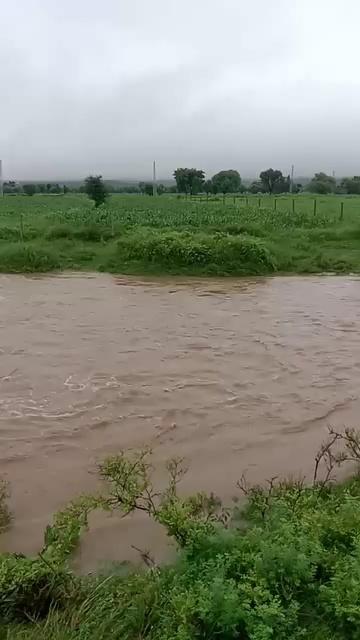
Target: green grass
168, 234
284, 565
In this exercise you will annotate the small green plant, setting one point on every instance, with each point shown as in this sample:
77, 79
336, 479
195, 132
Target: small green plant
5, 515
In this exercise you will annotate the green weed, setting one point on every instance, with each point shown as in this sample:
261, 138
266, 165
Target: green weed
21, 258
5, 515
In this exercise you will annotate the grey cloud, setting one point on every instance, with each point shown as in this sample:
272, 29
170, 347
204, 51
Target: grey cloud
218, 85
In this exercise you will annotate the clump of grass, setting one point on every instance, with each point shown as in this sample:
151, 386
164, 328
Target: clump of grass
93, 233
22, 258
5, 515
90, 232
10, 233
59, 232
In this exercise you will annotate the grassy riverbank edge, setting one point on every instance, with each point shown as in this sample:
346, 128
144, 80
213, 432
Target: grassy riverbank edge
161, 252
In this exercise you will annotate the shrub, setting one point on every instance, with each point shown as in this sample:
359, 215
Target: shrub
92, 233
59, 231
236, 254
30, 588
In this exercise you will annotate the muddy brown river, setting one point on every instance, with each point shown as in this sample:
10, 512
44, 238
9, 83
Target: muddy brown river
234, 375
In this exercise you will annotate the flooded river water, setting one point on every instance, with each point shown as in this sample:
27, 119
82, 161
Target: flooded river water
236, 376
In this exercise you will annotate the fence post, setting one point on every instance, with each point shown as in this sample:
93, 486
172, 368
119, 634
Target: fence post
293, 205
275, 204
315, 206
341, 211
21, 227
259, 202
247, 201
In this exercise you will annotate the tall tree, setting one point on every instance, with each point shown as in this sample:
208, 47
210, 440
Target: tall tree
257, 187
322, 183
208, 186
148, 189
228, 181
96, 190
55, 188
274, 181
351, 185
12, 187
189, 180
29, 189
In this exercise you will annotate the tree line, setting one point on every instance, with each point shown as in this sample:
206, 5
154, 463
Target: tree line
192, 181
12, 187
271, 181
322, 183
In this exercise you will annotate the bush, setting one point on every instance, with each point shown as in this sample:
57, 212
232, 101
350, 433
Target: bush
19, 258
30, 588
235, 254
9, 233
59, 232
92, 233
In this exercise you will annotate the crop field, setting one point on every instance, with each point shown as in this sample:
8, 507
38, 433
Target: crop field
238, 235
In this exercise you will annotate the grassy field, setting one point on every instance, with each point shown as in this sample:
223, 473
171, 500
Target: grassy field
139, 234
284, 565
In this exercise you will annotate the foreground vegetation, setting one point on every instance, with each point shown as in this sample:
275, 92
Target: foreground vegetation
138, 234
286, 565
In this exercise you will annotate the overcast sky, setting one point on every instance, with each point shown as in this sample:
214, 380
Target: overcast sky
106, 86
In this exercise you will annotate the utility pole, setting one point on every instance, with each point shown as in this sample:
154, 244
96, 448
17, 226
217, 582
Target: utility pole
292, 179
154, 179
1, 181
